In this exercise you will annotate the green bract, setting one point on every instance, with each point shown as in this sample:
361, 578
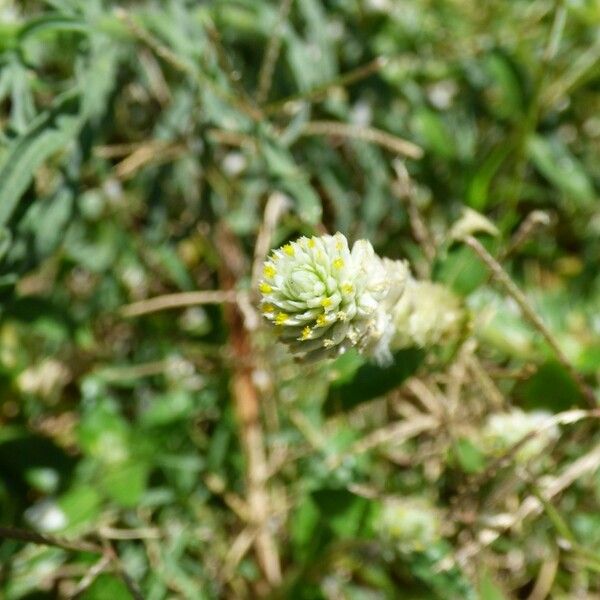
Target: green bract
325, 298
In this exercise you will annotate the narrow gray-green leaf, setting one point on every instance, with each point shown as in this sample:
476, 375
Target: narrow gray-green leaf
49, 133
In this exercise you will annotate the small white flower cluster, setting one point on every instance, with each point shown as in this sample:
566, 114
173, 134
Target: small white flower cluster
427, 314
411, 524
325, 298
503, 430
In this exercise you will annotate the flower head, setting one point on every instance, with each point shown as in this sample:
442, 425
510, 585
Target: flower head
427, 314
324, 297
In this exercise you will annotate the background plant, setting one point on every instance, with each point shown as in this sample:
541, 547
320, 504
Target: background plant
151, 154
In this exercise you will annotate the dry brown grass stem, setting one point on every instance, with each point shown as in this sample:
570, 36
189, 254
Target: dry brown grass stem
155, 153
109, 555
545, 578
277, 205
396, 433
486, 384
534, 220
178, 300
23, 535
368, 134
529, 313
240, 547
548, 488
404, 189
233, 138
321, 91
247, 407
119, 150
90, 576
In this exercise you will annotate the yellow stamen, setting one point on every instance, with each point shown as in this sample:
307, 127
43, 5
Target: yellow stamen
269, 271
281, 318
328, 343
321, 320
265, 288
268, 308
338, 263
341, 316
289, 250
326, 302
306, 333
312, 243
347, 288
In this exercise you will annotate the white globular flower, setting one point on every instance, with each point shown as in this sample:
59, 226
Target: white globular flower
325, 298
502, 431
426, 314
410, 523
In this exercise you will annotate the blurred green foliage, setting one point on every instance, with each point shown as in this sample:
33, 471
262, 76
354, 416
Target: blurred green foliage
133, 135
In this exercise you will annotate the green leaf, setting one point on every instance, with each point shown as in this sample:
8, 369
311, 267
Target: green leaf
503, 92
479, 184
371, 381
168, 408
556, 163
81, 505
48, 134
341, 510
47, 221
125, 483
432, 132
107, 587
52, 22
5, 241
551, 388
468, 456
460, 268
104, 434
488, 590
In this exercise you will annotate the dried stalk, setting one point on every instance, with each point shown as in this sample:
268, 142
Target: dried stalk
93, 572
404, 188
246, 401
341, 81
533, 221
23, 535
367, 134
179, 300
158, 153
106, 550
277, 205
533, 505
529, 313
